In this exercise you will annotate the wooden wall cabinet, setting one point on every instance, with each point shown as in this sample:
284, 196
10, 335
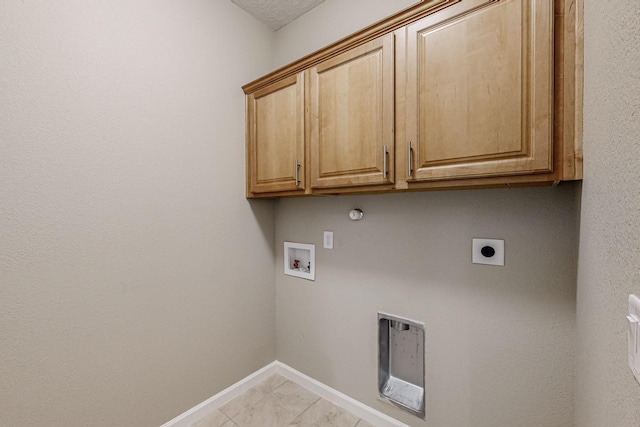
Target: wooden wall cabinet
480, 90
352, 117
446, 94
276, 143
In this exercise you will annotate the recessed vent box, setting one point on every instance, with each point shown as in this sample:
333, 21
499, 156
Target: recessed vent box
401, 363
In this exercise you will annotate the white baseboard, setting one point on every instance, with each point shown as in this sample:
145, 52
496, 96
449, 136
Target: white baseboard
228, 394
358, 409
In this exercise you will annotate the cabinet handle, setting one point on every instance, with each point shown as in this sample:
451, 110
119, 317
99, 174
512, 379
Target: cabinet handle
297, 173
409, 162
384, 162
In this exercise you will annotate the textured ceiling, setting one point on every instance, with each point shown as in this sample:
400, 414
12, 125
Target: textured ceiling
277, 13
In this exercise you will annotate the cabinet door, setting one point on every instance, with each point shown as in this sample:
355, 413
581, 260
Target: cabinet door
480, 90
351, 101
276, 140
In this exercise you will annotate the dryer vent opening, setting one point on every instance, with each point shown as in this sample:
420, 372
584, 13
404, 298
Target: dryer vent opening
401, 362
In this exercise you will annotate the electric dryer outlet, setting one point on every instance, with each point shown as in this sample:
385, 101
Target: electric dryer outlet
487, 251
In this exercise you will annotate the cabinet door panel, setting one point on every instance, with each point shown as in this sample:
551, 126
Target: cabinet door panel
480, 90
352, 117
277, 136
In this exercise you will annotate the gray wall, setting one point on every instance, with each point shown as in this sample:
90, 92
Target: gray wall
128, 249
606, 392
135, 279
500, 340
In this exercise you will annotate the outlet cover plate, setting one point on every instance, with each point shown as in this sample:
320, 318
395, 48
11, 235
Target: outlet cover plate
634, 335
478, 258
328, 240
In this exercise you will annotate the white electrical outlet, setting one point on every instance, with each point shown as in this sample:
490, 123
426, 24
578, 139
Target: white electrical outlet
488, 251
328, 239
634, 335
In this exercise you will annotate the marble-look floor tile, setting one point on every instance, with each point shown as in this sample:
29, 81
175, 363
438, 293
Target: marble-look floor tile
363, 423
271, 383
214, 419
264, 413
241, 402
293, 397
278, 402
324, 413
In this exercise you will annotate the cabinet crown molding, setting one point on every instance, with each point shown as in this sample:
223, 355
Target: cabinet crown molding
387, 25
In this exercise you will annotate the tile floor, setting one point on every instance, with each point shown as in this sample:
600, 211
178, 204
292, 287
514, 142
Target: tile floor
278, 402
